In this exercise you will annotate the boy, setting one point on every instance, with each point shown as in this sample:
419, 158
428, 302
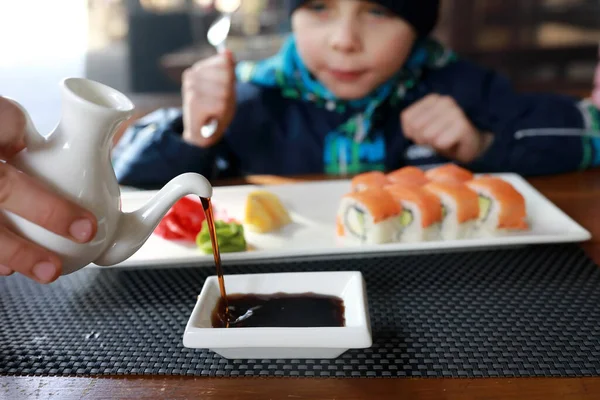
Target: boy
359, 86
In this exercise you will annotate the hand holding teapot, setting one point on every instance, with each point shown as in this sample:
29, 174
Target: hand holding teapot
24, 196
60, 202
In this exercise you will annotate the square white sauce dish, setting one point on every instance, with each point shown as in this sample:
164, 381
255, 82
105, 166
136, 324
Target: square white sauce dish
281, 342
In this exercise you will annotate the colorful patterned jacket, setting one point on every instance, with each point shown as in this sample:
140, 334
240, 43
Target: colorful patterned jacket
271, 134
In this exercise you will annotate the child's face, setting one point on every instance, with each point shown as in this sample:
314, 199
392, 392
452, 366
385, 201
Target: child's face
351, 46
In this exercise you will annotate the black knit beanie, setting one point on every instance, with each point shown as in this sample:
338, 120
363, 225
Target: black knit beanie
421, 14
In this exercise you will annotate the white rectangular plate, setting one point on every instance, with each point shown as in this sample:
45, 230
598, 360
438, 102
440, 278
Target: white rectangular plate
277, 342
313, 207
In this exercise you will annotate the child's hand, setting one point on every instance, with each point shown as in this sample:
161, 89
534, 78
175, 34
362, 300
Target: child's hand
437, 121
24, 196
208, 92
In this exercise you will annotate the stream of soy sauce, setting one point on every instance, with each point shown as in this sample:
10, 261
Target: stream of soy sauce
208, 211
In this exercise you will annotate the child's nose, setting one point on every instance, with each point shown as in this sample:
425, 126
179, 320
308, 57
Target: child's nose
345, 38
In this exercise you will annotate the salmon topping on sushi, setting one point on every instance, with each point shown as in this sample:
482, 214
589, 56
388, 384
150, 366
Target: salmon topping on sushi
429, 205
369, 180
449, 173
378, 202
501, 205
408, 176
466, 199
369, 216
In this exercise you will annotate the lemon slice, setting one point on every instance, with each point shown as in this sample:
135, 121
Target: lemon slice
265, 212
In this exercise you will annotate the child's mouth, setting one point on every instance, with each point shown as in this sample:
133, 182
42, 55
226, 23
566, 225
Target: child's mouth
346, 76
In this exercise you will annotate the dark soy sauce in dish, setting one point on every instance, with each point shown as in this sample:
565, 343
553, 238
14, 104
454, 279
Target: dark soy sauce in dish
279, 310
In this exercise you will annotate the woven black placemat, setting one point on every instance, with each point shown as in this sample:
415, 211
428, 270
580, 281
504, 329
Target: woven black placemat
525, 312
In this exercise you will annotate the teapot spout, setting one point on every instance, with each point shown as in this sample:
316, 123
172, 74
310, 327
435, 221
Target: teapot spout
136, 227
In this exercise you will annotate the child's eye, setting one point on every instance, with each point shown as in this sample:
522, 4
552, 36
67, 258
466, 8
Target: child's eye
316, 6
380, 11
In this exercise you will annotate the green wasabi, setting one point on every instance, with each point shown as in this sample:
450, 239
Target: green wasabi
230, 236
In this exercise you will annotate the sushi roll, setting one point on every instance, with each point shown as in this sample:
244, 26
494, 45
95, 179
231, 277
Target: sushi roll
370, 216
411, 176
460, 209
367, 180
421, 213
407, 181
449, 173
501, 206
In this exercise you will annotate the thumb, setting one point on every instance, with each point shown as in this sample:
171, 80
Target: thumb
12, 128
228, 55
231, 64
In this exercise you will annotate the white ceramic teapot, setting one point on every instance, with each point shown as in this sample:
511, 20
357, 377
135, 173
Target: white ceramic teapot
74, 160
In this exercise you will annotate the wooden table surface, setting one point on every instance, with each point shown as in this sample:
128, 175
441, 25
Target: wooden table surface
577, 194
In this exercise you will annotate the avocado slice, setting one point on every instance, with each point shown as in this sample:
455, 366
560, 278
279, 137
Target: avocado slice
406, 218
485, 205
355, 221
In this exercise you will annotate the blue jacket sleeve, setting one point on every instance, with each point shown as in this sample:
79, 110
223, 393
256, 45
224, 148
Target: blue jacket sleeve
493, 106
152, 151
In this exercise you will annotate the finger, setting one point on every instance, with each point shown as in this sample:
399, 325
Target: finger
212, 90
450, 137
467, 150
199, 111
24, 196
5, 271
11, 129
27, 258
205, 107
228, 54
438, 127
216, 60
437, 110
219, 68
423, 104
222, 62
427, 133
460, 139
418, 108
460, 142
229, 62
200, 78
9, 152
